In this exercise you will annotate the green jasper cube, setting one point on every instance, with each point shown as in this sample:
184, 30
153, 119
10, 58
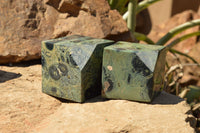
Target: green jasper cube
71, 67
133, 71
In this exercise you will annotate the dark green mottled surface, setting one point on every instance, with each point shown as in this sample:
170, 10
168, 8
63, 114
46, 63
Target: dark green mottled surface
71, 67
133, 71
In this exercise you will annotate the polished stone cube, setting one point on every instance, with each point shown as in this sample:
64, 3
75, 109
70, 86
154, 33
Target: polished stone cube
133, 71
71, 67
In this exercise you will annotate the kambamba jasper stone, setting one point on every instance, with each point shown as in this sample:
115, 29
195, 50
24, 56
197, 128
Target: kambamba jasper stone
71, 67
133, 71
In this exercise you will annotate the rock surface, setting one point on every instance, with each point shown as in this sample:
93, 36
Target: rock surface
117, 116
22, 104
24, 24
24, 108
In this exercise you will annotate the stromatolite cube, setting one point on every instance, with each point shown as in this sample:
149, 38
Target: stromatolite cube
133, 71
71, 67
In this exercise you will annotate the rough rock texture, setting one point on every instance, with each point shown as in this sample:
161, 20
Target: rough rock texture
24, 24
20, 29
24, 108
120, 116
22, 104
160, 30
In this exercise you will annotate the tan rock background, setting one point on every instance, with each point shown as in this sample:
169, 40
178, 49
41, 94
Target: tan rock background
165, 9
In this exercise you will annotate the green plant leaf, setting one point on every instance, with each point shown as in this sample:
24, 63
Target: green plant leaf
121, 6
193, 94
112, 3
183, 38
144, 4
131, 22
183, 54
177, 30
142, 37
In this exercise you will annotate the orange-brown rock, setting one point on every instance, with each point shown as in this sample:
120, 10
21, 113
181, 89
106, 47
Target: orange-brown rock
24, 24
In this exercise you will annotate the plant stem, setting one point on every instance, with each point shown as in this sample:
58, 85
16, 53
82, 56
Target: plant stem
141, 6
183, 38
177, 30
144, 4
112, 3
125, 16
183, 54
131, 23
143, 37
167, 65
121, 6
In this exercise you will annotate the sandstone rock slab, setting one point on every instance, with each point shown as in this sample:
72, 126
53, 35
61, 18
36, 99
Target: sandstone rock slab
167, 114
24, 108
22, 104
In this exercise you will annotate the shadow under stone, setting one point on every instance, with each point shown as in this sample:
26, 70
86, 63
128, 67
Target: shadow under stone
166, 98
96, 99
5, 76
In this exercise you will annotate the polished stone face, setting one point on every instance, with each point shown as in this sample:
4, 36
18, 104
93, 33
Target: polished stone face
133, 71
71, 67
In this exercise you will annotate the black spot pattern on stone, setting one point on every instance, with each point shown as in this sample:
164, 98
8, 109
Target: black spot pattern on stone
104, 70
139, 66
43, 61
54, 73
150, 83
67, 60
133, 70
110, 85
142, 95
146, 71
118, 84
107, 74
72, 60
119, 49
129, 78
53, 89
63, 69
62, 58
49, 45
150, 86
